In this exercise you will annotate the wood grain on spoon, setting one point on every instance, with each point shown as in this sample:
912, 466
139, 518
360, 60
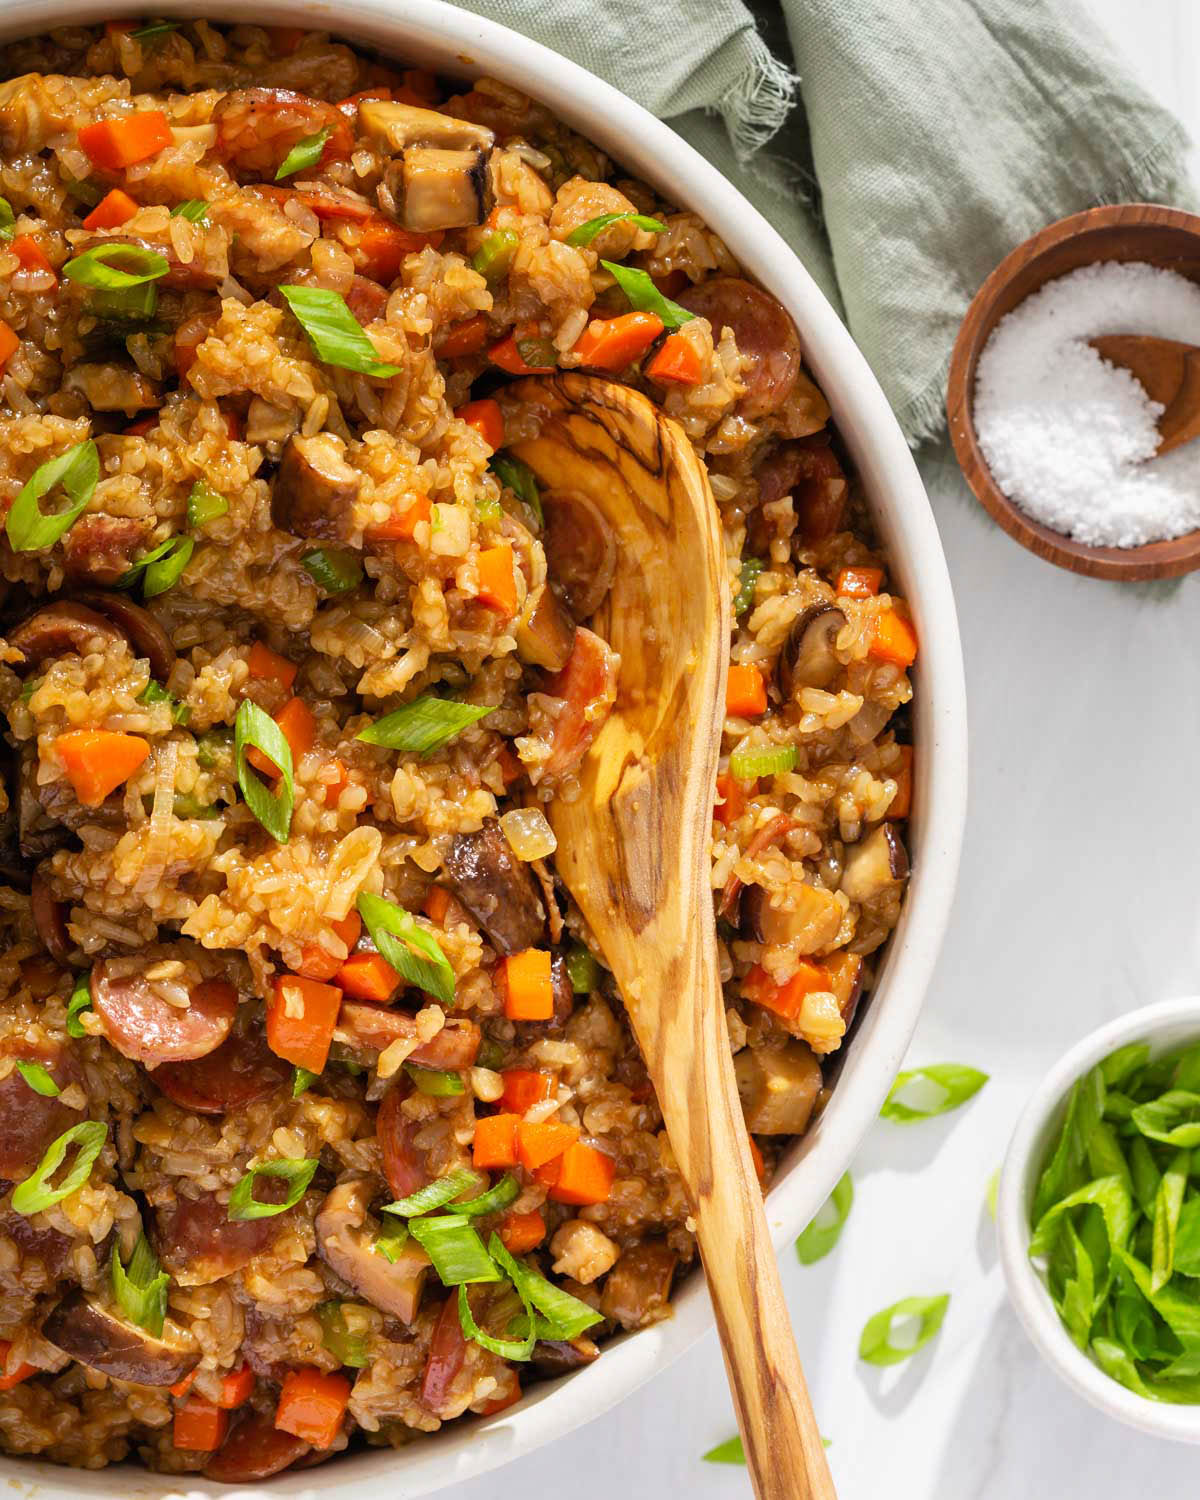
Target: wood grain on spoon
633, 849
1170, 373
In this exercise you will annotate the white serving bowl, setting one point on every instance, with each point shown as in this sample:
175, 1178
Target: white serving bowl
435, 35
1169, 1024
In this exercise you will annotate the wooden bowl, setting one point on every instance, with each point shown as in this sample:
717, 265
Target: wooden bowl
1149, 232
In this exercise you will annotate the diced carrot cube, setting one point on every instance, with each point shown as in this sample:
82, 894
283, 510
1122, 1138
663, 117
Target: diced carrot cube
538, 1144
402, 526
301, 1015
380, 248
585, 1175
893, 640
497, 584
901, 806
182, 1387
113, 209
525, 1087
734, 795
269, 666
22, 1372
521, 1233
236, 1388
31, 255
746, 692
495, 1142
859, 583
676, 363
124, 140
487, 420
98, 761
312, 1405
436, 904
787, 999
528, 985
9, 343
614, 343
368, 976
509, 357
463, 338
200, 1427
335, 778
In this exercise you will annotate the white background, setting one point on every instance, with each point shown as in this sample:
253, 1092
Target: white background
1078, 900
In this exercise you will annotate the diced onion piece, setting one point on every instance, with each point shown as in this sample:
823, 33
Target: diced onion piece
528, 833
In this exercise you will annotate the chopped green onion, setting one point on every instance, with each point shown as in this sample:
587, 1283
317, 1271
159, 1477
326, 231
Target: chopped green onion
37, 1076
188, 806
135, 570
826, 1228
761, 760
126, 304
302, 1080
645, 296
153, 31
391, 1239
8, 220
204, 505
194, 210
491, 1054
876, 1346
165, 571
933, 1090
434, 1194
28, 527
586, 233
214, 747
333, 569
296, 1173
424, 725
30, 688
506, 1191
744, 598
435, 1082
513, 1349
81, 1000
455, 1249
495, 254
86, 190
112, 267
538, 353
335, 333
305, 153
348, 1348
140, 1288
521, 479
582, 970
730, 1451
154, 692
272, 809
567, 1316
35, 1193
488, 508
396, 934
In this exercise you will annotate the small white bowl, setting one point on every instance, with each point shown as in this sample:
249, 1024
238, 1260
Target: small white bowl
1165, 1026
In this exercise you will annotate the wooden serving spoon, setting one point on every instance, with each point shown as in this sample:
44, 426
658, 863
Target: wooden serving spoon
1170, 373
633, 850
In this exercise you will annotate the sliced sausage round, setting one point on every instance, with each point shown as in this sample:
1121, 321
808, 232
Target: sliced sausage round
315, 488
809, 471
447, 1351
404, 1165
144, 1026
30, 1121
497, 888
238, 1073
581, 551
99, 548
58, 628
371, 1028
255, 1449
143, 632
199, 1243
765, 336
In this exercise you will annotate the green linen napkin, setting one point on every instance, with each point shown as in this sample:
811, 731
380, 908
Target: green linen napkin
934, 135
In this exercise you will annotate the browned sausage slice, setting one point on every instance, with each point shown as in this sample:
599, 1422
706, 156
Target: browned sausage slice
30, 1121
497, 888
58, 628
199, 1243
404, 1165
141, 1024
581, 551
314, 488
255, 1449
99, 548
765, 335
809, 471
369, 1027
240, 1072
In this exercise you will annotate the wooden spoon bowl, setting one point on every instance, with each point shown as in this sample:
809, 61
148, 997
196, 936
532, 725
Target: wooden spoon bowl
1149, 232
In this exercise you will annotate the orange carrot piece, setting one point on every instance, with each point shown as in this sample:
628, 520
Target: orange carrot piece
422, 84
509, 357
380, 249
113, 209
734, 795
903, 775
539, 1144
464, 338
436, 904
520, 1233
528, 987
299, 728
301, 1015
487, 420
9, 343
893, 640
525, 1087
787, 999
614, 343
585, 1175
497, 585
200, 1426
117, 28
510, 767
312, 1405
182, 1387
502, 1403
859, 583
316, 961
745, 692
97, 761
756, 1156
676, 363
402, 526
495, 1142
336, 783
31, 255
124, 140
368, 976
141, 427
236, 1388
269, 666
23, 1371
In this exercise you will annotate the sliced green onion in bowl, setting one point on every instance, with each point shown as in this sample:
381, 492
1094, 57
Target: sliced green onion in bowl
81, 1000
140, 1288
391, 1240
194, 210
436, 1083
761, 760
455, 1249
434, 1194
521, 479
204, 505
304, 154
644, 296
566, 1315
878, 1346
333, 569
334, 332
296, 1173
582, 970
113, 267
8, 220
273, 809
584, 234
937, 1088
517, 1350
744, 598
37, 1076
498, 1197
302, 1080
131, 304
28, 527
35, 1193
396, 935
153, 31
424, 725
495, 254
165, 571
823, 1233
348, 1348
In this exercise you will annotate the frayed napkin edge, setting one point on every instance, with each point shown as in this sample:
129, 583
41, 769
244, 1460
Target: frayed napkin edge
755, 106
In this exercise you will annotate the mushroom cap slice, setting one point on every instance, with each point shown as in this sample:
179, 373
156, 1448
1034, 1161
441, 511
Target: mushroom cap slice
809, 658
440, 189
346, 1246
874, 863
402, 125
778, 1087
104, 1341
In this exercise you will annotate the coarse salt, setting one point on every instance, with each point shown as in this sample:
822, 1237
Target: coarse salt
1069, 437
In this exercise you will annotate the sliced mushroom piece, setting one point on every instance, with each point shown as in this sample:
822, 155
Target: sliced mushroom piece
49, 917
103, 1341
874, 863
346, 1245
809, 656
496, 888
112, 387
558, 1356
58, 628
810, 919
145, 635
638, 1288
546, 632
438, 189
315, 488
846, 974
778, 1087
401, 125
38, 834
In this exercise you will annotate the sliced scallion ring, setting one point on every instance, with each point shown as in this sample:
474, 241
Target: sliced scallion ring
495, 254
334, 332
112, 267
645, 296
304, 154
566, 1315
297, 1173
302, 1080
391, 1239
273, 810
437, 1083
140, 1288
333, 569
37, 1076
81, 1000
586, 233
348, 1348
424, 725
506, 1191
582, 970
153, 31
194, 210
129, 304
434, 1194
876, 1346
521, 479
8, 220
517, 1350
165, 571
35, 1193
28, 527
154, 692
396, 934
454, 1247
204, 505
138, 567
761, 760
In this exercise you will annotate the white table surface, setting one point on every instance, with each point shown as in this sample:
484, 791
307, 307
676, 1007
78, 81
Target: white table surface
1078, 900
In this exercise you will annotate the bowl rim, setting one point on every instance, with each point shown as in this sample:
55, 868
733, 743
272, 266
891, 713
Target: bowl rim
1022, 1163
464, 43
1162, 559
